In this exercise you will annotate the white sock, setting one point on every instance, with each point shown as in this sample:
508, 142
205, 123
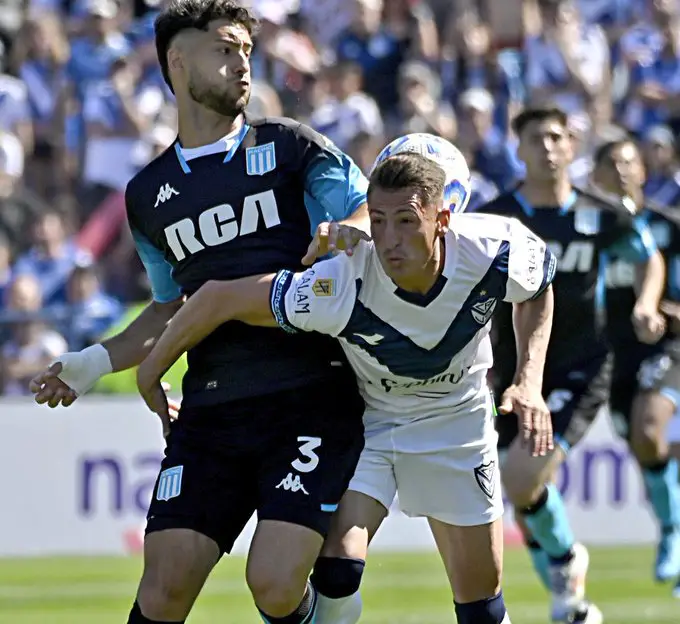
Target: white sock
338, 610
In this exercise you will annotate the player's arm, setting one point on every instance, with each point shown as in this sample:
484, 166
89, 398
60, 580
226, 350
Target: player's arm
319, 299
531, 269
73, 374
336, 195
635, 243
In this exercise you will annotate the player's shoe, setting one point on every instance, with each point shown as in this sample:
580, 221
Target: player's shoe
568, 589
667, 564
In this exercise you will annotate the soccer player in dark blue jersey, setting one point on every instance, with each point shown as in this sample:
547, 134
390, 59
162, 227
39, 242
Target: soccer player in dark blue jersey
259, 429
577, 227
646, 379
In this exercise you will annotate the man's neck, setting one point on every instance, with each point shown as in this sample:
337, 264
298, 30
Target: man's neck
423, 283
554, 193
199, 126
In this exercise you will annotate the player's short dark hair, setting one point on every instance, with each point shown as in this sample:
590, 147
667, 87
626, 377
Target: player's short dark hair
529, 115
410, 171
605, 150
181, 15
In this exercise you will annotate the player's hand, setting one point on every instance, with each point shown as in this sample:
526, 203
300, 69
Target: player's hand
534, 417
648, 324
330, 237
154, 394
48, 388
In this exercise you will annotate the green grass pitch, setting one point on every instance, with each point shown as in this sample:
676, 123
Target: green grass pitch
398, 589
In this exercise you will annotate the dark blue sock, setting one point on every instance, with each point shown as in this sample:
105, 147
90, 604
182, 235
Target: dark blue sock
137, 617
489, 611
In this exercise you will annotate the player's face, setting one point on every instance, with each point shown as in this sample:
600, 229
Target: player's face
622, 170
217, 65
406, 235
546, 147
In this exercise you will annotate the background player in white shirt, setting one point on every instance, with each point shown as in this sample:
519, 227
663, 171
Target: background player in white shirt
412, 312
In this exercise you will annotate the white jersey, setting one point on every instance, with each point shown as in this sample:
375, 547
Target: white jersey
413, 355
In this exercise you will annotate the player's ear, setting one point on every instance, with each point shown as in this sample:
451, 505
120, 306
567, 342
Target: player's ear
176, 55
443, 220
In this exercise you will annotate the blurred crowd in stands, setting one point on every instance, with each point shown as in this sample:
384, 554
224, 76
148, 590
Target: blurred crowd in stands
83, 106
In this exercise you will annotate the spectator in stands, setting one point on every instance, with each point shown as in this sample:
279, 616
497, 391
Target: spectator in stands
655, 75
378, 51
88, 312
347, 111
39, 58
412, 23
420, 106
31, 345
5, 269
491, 154
661, 162
117, 112
364, 148
15, 115
568, 63
52, 258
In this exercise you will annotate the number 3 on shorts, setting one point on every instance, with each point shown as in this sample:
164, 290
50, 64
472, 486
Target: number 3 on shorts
307, 447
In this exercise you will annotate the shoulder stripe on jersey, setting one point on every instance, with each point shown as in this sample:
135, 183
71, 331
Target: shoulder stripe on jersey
549, 270
404, 357
277, 300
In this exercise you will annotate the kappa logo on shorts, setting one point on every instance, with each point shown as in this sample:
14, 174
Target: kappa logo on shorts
292, 484
261, 159
485, 474
169, 483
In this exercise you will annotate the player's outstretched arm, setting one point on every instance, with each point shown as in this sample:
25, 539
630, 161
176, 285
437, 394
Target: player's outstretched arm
73, 374
246, 300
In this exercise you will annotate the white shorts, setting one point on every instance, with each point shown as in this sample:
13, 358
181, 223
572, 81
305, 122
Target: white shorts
444, 467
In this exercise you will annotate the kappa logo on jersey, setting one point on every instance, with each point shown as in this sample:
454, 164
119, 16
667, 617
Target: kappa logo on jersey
292, 484
482, 310
164, 194
324, 287
260, 159
485, 474
371, 340
169, 483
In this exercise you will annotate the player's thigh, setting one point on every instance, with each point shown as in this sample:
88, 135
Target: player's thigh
201, 488
446, 468
659, 396
472, 556
304, 469
363, 507
576, 397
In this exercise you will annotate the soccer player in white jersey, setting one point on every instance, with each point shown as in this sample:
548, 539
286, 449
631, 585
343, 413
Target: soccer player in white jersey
411, 309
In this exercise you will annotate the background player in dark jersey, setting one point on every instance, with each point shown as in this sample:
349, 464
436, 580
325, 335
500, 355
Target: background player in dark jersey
577, 227
646, 379
232, 197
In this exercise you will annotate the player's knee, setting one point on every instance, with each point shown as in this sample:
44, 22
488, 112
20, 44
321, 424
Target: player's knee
164, 598
647, 443
277, 594
487, 611
522, 492
337, 577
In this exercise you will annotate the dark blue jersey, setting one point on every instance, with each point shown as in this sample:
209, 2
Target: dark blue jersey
620, 281
578, 233
247, 209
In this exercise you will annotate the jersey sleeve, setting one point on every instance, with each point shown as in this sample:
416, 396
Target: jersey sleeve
319, 299
164, 289
334, 185
531, 265
633, 241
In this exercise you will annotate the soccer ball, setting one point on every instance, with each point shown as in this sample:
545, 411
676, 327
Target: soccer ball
446, 155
